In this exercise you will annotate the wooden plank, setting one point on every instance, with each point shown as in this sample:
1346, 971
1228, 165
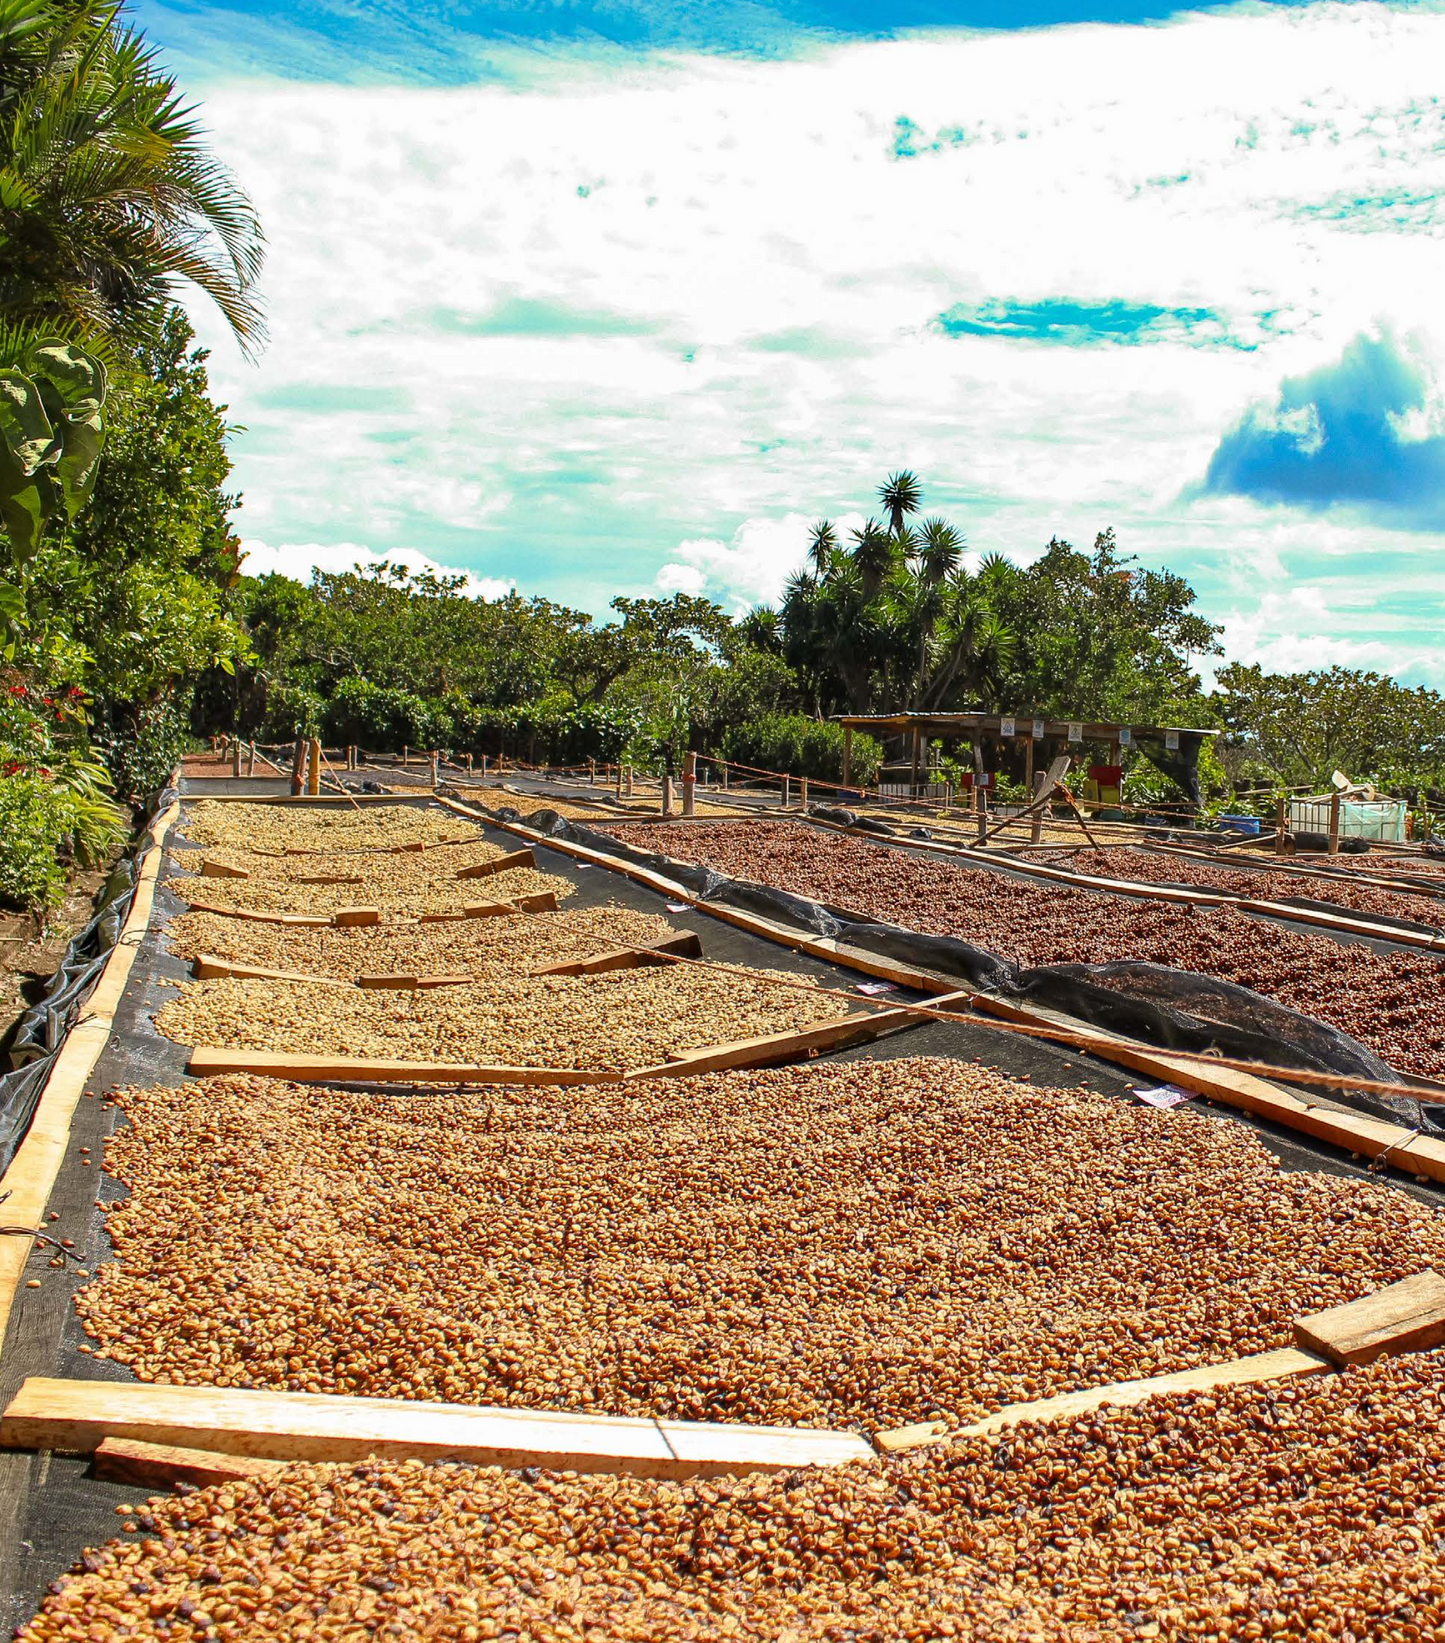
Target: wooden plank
1408, 1316
309, 921
412, 983
163, 1466
1286, 1364
27, 1184
902, 1438
347, 918
209, 968
545, 901
785, 1046
499, 864
688, 945
78, 1416
329, 878
221, 870
207, 1059
478, 909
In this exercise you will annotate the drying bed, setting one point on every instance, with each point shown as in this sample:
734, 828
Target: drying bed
1311, 1511
850, 1245
1261, 882
476, 947
278, 828
1393, 1002
622, 1020
404, 882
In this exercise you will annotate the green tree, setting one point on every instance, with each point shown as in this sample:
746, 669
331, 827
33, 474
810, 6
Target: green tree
900, 495
109, 199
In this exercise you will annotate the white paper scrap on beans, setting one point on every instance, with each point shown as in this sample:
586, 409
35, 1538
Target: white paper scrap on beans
678, 907
877, 987
1161, 1095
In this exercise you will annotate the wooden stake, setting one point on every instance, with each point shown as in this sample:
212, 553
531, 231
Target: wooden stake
498, 864
626, 958
313, 773
1334, 844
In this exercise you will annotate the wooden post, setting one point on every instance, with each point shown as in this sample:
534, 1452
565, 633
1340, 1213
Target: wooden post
847, 757
917, 755
235, 755
689, 784
436, 760
484, 767
251, 759
1334, 824
629, 781
803, 792
787, 791
948, 794
666, 794
313, 772
1029, 762
469, 764
1036, 787
405, 755
725, 776
592, 772
1281, 826
298, 766
982, 813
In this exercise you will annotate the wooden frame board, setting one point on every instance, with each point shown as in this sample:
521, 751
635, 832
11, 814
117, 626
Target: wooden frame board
78, 1416
207, 1060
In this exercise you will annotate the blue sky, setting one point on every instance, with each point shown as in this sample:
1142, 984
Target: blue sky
616, 297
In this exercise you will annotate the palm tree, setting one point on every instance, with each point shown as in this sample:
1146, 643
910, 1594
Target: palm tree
940, 551
762, 629
873, 556
900, 494
822, 545
109, 201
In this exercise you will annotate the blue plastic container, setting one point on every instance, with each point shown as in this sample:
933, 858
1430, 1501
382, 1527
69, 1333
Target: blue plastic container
1240, 824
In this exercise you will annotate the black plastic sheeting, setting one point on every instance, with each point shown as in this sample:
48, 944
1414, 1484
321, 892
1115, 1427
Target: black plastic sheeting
37, 1038
1154, 1003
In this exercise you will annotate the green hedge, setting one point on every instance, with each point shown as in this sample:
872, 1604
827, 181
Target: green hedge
800, 746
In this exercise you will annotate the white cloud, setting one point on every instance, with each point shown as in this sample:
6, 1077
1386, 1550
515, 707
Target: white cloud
768, 276
298, 559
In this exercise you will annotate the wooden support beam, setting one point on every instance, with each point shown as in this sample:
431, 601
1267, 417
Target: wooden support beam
77, 1416
1405, 1317
209, 1059
329, 878
786, 1046
499, 864
207, 967
307, 921
1286, 1364
163, 1466
222, 870
411, 983
688, 945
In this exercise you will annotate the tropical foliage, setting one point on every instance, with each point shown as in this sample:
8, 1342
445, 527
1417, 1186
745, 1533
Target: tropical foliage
119, 564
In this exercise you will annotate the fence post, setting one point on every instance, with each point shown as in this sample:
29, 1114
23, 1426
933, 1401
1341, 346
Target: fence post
1281, 825
313, 769
1334, 824
982, 812
298, 766
787, 791
1038, 828
235, 755
484, 767
725, 776
666, 794
689, 784
436, 760
251, 760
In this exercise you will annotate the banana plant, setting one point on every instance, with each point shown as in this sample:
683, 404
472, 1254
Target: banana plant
52, 427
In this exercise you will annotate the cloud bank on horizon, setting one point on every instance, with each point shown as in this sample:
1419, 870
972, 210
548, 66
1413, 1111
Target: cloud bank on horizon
619, 308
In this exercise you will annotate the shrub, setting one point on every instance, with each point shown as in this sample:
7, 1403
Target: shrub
800, 746
143, 747
384, 719
292, 710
